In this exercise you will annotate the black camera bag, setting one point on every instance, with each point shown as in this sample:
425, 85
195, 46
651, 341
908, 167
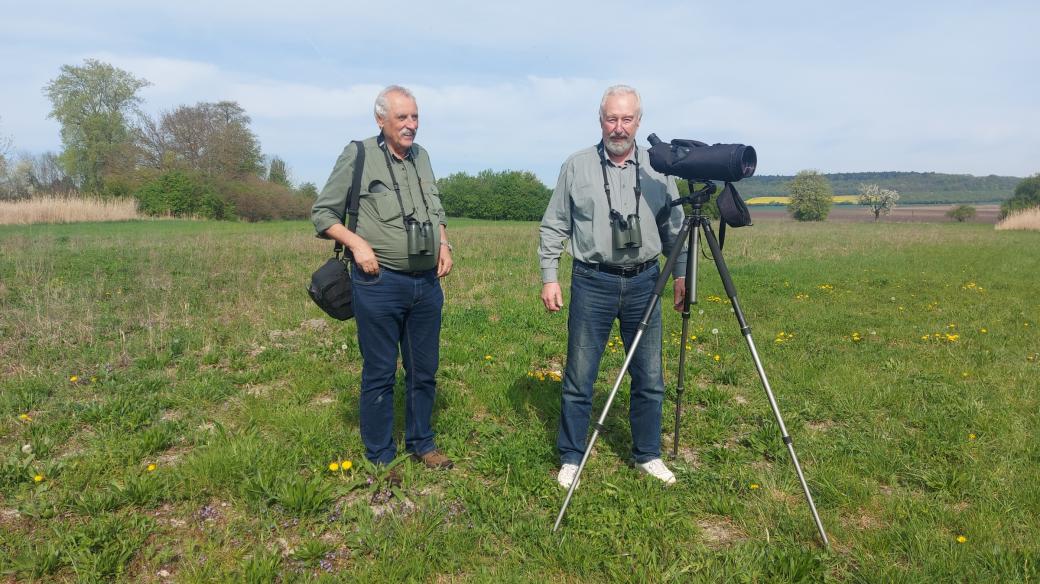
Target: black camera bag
732, 210
330, 284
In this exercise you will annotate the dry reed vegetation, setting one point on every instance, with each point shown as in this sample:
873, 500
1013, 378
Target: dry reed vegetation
66, 209
1026, 219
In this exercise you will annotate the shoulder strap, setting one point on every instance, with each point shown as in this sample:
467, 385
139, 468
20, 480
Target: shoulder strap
354, 195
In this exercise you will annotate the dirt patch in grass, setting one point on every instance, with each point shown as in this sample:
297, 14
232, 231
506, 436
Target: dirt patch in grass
720, 532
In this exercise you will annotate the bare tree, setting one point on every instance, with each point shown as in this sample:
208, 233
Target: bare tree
212, 138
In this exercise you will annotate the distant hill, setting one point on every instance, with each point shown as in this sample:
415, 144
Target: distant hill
913, 187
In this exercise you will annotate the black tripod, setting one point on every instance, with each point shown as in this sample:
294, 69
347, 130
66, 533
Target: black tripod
693, 223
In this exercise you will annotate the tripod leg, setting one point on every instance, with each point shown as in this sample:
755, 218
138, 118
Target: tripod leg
745, 330
693, 247
644, 323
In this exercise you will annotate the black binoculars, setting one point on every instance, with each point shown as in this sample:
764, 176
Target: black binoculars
626, 232
420, 237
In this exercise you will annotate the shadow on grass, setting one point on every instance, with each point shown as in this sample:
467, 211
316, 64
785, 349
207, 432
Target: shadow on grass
539, 400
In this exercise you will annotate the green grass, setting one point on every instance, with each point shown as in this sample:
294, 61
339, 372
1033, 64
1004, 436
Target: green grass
907, 376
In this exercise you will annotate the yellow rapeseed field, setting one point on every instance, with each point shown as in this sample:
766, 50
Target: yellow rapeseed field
837, 199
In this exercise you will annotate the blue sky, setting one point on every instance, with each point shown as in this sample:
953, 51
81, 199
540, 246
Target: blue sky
834, 86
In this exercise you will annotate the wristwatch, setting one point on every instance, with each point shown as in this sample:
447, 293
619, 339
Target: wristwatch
448, 245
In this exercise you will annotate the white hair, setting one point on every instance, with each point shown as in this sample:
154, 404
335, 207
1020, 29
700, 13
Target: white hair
383, 105
621, 90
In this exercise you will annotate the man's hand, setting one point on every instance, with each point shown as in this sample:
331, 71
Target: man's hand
552, 296
680, 293
444, 262
364, 257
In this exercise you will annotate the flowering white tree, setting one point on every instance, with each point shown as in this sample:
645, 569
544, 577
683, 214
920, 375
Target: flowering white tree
878, 199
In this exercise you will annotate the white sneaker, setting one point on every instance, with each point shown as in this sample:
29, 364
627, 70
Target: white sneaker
656, 469
567, 474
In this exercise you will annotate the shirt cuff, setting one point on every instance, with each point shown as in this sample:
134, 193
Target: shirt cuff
549, 275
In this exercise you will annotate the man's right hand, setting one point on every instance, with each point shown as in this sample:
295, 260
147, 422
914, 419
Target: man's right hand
552, 296
364, 257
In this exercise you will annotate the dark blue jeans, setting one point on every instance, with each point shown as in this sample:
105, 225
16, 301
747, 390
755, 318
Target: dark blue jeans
396, 311
597, 299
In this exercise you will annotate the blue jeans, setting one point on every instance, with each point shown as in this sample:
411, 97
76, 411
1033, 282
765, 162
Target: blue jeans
395, 311
597, 299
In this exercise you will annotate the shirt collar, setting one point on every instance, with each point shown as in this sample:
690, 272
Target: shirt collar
381, 141
631, 158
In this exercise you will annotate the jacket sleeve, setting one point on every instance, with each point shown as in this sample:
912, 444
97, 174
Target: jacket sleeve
330, 206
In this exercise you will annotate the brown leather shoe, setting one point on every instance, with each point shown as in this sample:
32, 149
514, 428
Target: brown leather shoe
434, 459
393, 478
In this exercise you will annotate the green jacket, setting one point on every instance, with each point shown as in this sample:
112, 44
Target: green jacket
379, 213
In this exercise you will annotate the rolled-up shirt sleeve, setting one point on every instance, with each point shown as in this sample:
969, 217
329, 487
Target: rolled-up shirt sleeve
555, 227
669, 232
330, 206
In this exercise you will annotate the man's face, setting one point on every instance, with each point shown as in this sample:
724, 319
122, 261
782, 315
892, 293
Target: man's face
401, 122
620, 120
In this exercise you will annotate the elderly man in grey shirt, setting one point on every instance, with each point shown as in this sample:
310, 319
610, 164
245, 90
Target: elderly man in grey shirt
615, 210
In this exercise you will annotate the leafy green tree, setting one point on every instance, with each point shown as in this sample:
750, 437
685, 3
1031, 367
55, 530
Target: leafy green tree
307, 190
93, 104
508, 195
811, 196
1027, 196
182, 194
278, 172
961, 213
879, 200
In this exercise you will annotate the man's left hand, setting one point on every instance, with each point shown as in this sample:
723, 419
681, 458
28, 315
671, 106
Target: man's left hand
444, 262
680, 293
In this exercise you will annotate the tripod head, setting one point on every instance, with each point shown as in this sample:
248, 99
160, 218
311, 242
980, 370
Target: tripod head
697, 197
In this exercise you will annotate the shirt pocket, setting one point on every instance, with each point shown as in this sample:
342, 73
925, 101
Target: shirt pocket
385, 205
583, 201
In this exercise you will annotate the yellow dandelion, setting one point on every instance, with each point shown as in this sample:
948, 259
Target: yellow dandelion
971, 436
38, 478
487, 357
346, 465
717, 358
151, 467
961, 539
754, 486
25, 417
965, 374
924, 337
983, 330
74, 378
333, 466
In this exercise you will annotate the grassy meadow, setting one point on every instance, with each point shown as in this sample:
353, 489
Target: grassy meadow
172, 406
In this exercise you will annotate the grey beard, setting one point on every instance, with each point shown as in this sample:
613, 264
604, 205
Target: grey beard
619, 148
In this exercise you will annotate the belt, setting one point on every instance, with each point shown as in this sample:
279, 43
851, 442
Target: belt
412, 274
623, 271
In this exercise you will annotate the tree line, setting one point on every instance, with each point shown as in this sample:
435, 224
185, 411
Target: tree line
198, 160
811, 196
914, 187
204, 160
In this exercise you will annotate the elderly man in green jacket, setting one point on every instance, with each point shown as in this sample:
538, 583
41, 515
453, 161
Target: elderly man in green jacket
400, 252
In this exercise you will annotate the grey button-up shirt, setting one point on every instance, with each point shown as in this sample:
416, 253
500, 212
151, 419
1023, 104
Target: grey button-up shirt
578, 211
